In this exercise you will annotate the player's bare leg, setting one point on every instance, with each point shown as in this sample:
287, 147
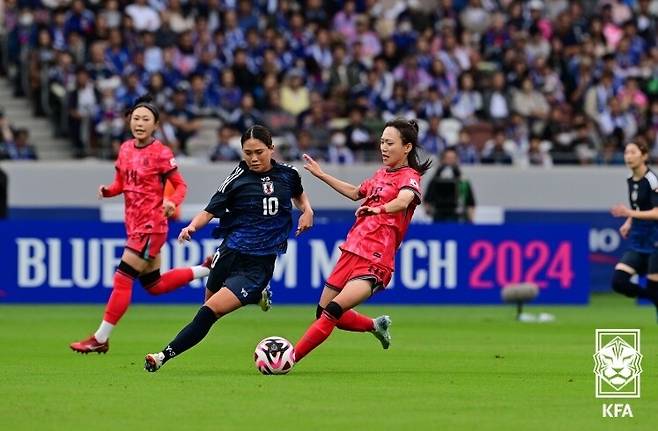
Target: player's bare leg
354, 293
129, 268
351, 320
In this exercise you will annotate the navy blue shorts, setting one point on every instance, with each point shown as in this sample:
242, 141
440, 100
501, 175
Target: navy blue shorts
243, 274
642, 263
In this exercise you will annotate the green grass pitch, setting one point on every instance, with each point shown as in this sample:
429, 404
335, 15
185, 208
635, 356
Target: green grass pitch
449, 368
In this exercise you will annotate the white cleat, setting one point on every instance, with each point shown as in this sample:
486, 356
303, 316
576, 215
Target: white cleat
153, 362
265, 302
382, 323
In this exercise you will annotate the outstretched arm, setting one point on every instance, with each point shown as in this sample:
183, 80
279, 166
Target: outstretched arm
199, 221
346, 189
621, 210
404, 198
306, 219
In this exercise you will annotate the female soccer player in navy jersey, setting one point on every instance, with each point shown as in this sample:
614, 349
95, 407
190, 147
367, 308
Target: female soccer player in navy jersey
254, 207
143, 165
640, 227
367, 260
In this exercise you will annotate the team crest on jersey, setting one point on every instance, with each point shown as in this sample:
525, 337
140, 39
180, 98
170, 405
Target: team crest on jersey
413, 182
268, 187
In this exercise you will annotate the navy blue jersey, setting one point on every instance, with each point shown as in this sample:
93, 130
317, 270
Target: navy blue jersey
255, 210
643, 196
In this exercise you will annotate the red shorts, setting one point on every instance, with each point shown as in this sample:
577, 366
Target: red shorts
146, 245
352, 267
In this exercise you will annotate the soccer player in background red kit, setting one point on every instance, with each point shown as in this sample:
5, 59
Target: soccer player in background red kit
368, 254
142, 167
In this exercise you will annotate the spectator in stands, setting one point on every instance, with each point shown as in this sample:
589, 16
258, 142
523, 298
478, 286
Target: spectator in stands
402, 60
19, 148
468, 101
202, 97
306, 145
431, 140
467, 152
224, 151
497, 150
247, 115
496, 104
294, 95
614, 119
531, 104
187, 124
359, 137
83, 103
144, 17
338, 151
538, 154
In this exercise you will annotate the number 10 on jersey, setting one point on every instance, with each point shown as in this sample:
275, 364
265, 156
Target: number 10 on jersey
270, 206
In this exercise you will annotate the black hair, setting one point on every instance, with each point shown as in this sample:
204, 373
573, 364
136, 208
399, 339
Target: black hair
146, 101
259, 132
409, 133
640, 144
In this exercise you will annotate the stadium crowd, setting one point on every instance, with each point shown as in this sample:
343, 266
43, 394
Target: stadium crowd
504, 82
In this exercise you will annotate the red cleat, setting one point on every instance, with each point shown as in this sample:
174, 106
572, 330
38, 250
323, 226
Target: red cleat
90, 345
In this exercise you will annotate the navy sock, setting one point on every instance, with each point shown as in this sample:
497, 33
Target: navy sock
190, 335
621, 283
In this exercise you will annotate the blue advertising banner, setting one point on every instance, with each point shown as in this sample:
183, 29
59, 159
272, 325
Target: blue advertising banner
74, 262
606, 246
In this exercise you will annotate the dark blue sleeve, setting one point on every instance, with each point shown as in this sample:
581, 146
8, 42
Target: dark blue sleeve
218, 203
297, 188
654, 198
221, 199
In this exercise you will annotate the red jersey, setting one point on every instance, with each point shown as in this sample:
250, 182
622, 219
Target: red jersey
142, 172
377, 237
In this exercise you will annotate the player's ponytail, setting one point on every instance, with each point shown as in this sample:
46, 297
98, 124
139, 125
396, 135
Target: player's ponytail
258, 132
409, 133
146, 101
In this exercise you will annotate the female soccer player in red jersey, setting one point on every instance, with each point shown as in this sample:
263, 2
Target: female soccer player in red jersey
143, 165
367, 260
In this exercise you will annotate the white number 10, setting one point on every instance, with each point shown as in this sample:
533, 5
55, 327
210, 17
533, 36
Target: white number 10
270, 206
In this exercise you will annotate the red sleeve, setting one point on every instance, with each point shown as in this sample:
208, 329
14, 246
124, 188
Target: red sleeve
167, 161
411, 181
365, 187
180, 187
116, 187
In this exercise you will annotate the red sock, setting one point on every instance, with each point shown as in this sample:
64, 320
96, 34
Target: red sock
120, 298
171, 280
352, 320
314, 336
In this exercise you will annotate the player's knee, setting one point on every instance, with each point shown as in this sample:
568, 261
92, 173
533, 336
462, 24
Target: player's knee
620, 281
334, 310
127, 270
150, 280
318, 312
